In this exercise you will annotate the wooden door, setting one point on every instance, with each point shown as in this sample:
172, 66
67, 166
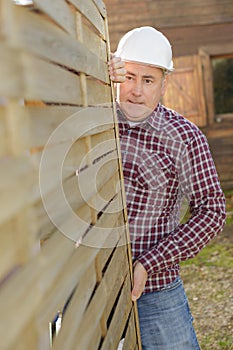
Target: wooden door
185, 92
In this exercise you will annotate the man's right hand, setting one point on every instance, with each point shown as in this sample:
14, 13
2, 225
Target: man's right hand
116, 68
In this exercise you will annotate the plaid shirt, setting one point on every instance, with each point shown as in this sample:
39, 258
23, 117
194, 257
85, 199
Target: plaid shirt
166, 159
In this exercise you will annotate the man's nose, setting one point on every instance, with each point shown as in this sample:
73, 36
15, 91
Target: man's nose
137, 89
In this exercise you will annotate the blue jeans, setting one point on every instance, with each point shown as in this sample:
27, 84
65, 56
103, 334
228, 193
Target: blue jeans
166, 321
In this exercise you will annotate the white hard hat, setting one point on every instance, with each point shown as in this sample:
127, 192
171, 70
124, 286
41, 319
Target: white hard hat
146, 45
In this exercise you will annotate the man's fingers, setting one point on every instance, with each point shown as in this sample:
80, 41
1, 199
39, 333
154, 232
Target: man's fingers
116, 62
139, 281
117, 69
135, 295
118, 75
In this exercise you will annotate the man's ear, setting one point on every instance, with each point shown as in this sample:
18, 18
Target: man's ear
164, 84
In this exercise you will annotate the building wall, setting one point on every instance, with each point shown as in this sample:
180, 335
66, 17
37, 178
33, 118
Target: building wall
187, 24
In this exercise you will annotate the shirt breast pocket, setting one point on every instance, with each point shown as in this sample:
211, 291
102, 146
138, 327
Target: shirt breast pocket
156, 172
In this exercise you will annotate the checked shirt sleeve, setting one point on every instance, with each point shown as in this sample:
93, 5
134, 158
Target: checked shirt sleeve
200, 184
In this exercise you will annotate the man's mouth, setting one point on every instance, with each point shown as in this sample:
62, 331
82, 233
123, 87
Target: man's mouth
135, 102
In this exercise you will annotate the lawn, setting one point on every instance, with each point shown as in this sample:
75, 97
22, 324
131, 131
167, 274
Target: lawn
208, 280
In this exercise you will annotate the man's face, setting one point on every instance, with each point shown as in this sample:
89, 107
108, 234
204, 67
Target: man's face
140, 94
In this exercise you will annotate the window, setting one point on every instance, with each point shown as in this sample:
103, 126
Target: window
223, 85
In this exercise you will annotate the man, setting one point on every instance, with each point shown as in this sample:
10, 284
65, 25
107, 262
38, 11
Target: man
165, 158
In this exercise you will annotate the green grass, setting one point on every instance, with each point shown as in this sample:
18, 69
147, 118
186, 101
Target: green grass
216, 341
214, 254
229, 206
213, 266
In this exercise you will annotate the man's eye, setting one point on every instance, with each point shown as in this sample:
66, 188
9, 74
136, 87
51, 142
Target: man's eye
148, 81
128, 77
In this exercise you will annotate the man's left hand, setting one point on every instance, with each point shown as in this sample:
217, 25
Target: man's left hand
139, 281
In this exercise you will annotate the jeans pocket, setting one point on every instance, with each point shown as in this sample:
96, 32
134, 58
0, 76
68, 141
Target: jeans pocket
176, 283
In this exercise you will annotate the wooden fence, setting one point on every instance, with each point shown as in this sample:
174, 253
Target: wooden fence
64, 251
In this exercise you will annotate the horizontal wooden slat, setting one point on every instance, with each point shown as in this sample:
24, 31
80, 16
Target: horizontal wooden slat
29, 340
60, 12
98, 93
55, 124
59, 211
44, 176
37, 278
50, 42
89, 10
78, 302
16, 183
104, 189
95, 309
9, 257
119, 319
96, 338
17, 129
69, 210
114, 281
101, 143
101, 7
24, 76
46, 227
94, 42
130, 339
73, 225
51, 166
103, 234
3, 139
81, 297
73, 277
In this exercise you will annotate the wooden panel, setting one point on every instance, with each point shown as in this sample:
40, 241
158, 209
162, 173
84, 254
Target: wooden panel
116, 327
64, 244
52, 125
36, 280
89, 10
130, 340
95, 43
185, 91
50, 42
60, 12
101, 7
16, 181
3, 139
38, 80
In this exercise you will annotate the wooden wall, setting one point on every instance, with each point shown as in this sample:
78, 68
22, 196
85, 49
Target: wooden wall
63, 233
187, 24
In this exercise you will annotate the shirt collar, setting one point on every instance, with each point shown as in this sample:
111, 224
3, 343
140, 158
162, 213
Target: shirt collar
155, 119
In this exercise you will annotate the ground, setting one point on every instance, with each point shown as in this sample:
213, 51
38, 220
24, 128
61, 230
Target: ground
208, 281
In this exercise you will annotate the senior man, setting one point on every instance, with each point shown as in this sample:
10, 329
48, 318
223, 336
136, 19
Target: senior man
165, 159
